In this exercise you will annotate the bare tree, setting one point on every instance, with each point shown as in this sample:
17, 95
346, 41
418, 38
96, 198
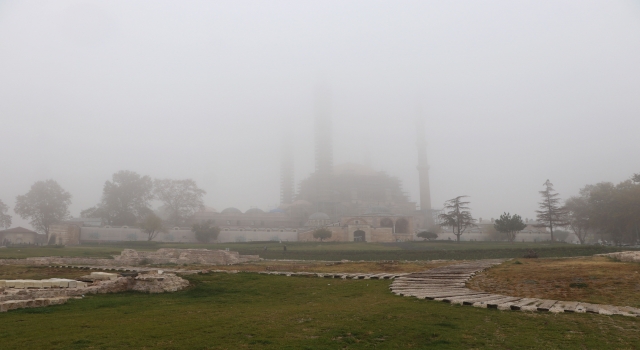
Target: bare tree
578, 209
5, 219
457, 216
152, 225
45, 204
181, 198
551, 213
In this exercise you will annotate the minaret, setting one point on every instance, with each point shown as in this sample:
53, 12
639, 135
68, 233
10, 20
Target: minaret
423, 175
286, 172
324, 150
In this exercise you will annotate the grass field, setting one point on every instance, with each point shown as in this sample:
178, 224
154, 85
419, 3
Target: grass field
439, 250
597, 280
251, 311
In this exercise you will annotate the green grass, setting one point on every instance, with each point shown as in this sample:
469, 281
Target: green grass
336, 250
250, 311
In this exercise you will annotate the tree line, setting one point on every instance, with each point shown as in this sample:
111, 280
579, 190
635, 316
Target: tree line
126, 201
604, 211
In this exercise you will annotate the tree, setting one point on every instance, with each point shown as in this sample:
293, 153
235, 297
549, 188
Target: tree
45, 204
613, 211
5, 219
125, 199
551, 213
322, 234
205, 232
427, 235
578, 210
509, 225
458, 216
181, 199
152, 225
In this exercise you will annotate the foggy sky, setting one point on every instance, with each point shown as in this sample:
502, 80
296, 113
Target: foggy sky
513, 93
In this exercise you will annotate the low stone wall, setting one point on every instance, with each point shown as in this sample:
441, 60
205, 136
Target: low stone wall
130, 257
155, 282
629, 256
184, 256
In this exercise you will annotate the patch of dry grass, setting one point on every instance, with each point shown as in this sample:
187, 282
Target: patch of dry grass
590, 279
38, 272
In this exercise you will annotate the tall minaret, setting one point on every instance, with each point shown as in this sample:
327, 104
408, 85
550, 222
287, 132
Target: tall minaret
286, 172
324, 151
423, 174
324, 147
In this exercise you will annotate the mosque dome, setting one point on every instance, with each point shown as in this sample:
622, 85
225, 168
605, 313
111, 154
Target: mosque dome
254, 211
231, 211
319, 216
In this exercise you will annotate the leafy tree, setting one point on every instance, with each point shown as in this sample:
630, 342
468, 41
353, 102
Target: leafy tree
5, 219
509, 225
181, 199
205, 232
613, 210
45, 204
125, 199
551, 213
578, 209
322, 234
457, 216
427, 235
152, 225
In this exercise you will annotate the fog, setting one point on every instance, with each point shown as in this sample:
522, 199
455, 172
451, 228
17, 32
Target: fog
512, 93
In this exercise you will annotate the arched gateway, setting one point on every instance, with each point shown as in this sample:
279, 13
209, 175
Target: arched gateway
359, 236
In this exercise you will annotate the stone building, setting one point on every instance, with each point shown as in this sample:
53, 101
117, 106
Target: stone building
19, 235
64, 234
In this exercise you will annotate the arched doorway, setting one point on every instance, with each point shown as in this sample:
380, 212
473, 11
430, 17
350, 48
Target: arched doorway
359, 236
402, 226
386, 222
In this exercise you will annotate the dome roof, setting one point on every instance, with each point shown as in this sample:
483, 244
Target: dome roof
353, 169
319, 216
379, 210
231, 211
254, 211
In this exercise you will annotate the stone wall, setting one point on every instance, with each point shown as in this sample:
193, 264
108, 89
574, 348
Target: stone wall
184, 256
64, 234
130, 257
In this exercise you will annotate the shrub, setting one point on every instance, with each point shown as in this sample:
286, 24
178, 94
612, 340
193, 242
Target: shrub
428, 235
205, 232
322, 234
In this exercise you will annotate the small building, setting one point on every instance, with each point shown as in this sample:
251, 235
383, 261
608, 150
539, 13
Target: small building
18, 235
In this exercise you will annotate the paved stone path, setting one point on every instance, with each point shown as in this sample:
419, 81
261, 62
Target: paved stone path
447, 284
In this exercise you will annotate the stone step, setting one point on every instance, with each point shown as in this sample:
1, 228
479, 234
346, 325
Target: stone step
523, 302
545, 305
494, 304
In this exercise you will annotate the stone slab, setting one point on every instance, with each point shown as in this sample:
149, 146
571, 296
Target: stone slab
545, 305
523, 302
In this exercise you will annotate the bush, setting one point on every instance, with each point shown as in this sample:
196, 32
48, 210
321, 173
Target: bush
428, 235
205, 232
322, 234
